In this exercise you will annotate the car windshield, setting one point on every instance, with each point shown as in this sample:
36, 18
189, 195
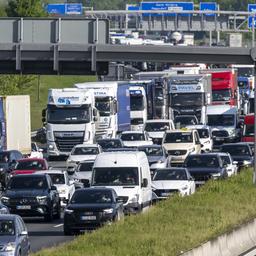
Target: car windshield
245, 71
137, 103
132, 136
237, 150
221, 95
203, 133
85, 167
92, 197
116, 176
157, 127
178, 137
168, 174
29, 165
4, 157
202, 161
85, 151
27, 183
105, 144
181, 121
103, 106
152, 151
225, 160
7, 228
186, 99
68, 115
221, 120
57, 178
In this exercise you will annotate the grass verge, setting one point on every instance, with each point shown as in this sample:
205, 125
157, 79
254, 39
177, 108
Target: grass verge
39, 98
174, 225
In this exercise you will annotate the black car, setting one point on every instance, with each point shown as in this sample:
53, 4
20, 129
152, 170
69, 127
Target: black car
109, 144
240, 152
32, 195
90, 208
8, 160
204, 167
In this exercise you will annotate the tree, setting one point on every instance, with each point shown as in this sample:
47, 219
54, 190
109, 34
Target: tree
25, 8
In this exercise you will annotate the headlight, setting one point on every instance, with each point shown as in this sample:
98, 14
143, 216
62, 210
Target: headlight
50, 147
134, 199
185, 187
246, 162
41, 199
49, 136
68, 211
207, 142
216, 175
1, 169
110, 210
5, 199
191, 150
10, 247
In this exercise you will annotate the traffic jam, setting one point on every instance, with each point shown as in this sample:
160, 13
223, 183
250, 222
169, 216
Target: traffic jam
126, 145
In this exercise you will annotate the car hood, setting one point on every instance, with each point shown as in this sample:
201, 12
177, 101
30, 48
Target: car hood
153, 159
203, 170
137, 143
241, 158
7, 239
169, 184
82, 175
89, 206
25, 193
178, 146
80, 158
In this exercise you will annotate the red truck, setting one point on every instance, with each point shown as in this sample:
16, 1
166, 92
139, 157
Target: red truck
224, 86
248, 131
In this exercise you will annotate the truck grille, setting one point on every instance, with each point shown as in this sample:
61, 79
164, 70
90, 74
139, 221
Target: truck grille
220, 134
65, 144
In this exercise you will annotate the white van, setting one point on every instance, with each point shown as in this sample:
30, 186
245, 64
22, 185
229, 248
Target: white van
128, 174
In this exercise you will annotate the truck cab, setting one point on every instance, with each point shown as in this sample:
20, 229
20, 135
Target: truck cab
190, 95
224, 122
70, 118
112, 100
138, 102
248, 129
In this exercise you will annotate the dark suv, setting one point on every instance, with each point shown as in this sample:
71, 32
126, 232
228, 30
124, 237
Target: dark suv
8, 160
32, 195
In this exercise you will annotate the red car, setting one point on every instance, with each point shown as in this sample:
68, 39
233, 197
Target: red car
30, 165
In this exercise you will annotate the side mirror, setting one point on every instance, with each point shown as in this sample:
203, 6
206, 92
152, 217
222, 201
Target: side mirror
119, 200
40, 150
95, 112
235, 162
144, 183
24, 233
71, 171
201, 145
43, 120
191, 178
53, 188
95, 118
65, 201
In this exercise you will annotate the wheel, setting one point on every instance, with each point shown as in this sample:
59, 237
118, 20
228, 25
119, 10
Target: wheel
67, 231
49, 216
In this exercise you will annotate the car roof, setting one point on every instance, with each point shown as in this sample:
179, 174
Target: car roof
86, 161
109, 139
198, 126
53, 171
95, 189
158, 121
34, 174
132, 132
179, 130
205, 154
172, 168
31, 159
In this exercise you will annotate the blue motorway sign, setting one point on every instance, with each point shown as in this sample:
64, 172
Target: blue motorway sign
133, 8
174, 6
65, 9
251, 8
208, 6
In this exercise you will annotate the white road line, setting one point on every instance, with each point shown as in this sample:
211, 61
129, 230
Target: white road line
59, 225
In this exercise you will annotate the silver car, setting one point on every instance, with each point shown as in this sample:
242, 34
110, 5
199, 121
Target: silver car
13, 236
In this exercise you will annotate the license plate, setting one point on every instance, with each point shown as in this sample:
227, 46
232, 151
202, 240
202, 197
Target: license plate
219, 139
165, 194
23, 207
88, 217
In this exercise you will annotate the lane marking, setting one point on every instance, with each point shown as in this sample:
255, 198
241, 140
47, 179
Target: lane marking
59, 225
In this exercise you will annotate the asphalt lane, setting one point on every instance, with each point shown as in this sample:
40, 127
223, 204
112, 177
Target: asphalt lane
45, 234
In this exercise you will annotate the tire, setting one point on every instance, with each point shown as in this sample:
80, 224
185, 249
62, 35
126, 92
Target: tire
67, 231
49, 216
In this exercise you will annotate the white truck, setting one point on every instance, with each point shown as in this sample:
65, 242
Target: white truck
112, 100
71, 116
224, 122
138, 101
190, 95
15, 125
